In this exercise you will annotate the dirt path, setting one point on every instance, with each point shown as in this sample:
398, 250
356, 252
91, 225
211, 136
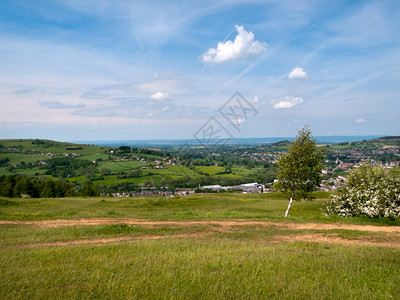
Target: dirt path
334, 239
223, 223
217, 226
108, 240
310, 238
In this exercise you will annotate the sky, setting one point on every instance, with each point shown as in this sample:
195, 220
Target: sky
123, 70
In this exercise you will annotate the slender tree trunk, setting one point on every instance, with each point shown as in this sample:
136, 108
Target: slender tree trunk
290, 204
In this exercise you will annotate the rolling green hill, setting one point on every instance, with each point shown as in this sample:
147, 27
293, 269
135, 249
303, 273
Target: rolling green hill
106, 166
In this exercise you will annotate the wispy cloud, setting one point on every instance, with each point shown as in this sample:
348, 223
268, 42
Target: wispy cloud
59, 105
149, 55
23, 91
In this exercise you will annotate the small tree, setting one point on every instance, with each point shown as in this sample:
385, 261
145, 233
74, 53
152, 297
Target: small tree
300, 168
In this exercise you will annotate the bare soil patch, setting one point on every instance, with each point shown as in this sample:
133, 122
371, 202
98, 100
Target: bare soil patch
223, 223
218, 226
110, 240
334, 239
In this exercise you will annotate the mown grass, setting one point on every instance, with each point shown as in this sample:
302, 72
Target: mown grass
270, 206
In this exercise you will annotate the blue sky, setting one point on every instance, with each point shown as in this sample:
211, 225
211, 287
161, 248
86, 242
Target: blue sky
118, 70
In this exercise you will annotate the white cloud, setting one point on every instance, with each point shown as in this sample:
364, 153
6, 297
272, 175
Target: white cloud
165, 108
287, 102
360, 120
150, 114
298, 73
244, 46
160, 96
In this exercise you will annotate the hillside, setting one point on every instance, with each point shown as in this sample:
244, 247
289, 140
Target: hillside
127, 168
32, 146
120, 169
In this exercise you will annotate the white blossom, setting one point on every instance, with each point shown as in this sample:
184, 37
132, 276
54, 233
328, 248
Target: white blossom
369, 191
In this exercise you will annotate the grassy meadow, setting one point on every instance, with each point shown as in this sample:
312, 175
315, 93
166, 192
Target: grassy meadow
186, 251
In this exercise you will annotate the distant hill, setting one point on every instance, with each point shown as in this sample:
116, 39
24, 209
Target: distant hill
41, 145
389, 138
234, 141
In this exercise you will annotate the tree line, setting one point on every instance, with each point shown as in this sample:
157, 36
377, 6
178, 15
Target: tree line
15, 186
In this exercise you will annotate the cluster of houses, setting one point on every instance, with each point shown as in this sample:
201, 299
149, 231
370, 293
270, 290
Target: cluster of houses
332, 184
346, 166
248, 188
49, 154
140, 194
360, 154
156, 164
272, 157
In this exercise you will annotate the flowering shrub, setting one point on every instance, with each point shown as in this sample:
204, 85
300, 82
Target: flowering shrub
368, 191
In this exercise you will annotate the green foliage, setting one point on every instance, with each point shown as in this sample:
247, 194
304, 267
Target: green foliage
4, 202
369, 191
125, 149
299, 169
22, 186
118, 187
68, 166
89, 190
4, 161
38, 142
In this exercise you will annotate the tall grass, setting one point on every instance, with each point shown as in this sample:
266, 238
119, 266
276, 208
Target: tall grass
200, 269
244, 262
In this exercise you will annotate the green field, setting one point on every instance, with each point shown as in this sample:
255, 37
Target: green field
228, 246
112, 179
28, 172
96, 156
173, 171
16, 158
241, 171
210, 170
117, 166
